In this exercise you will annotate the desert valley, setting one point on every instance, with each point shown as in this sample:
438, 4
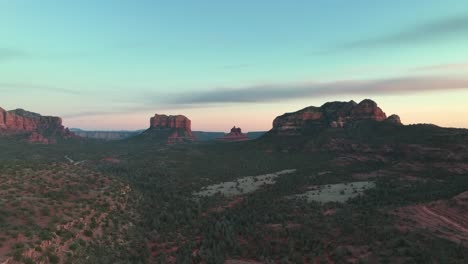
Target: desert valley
339, 183
233, 132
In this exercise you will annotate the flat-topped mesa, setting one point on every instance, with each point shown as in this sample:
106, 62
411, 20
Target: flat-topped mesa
235, 135
331, 114
179, 127
41, 129
171, 121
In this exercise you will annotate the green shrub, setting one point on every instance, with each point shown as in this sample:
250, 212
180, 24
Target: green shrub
88, 233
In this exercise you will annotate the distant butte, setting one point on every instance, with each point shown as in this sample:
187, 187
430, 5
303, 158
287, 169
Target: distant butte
37, 128
177, 128
330, 115
235, 135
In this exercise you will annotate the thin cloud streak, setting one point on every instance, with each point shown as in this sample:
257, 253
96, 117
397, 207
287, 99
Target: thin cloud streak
144, 107
29, 87
455, 26
282, 92
9, 54
235, 66
430, 31
450, 66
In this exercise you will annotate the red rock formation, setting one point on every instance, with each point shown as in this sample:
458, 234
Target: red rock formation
235, 135
290, 124
332, 114
38, 138
40, 128
368, 109
178, 126
394, 119
3, 114
164, 121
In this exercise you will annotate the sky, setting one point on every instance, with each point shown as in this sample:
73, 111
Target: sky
112, 64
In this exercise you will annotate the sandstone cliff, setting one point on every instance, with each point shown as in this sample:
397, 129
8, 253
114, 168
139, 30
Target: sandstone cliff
332, 114
38, 128
175, 128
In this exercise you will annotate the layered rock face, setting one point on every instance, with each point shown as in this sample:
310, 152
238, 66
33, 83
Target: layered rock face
165, 121
38, 138
235, 135
332, 114
178, 126
40, 129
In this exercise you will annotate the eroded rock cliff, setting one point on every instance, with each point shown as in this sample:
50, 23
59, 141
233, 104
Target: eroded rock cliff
332, 114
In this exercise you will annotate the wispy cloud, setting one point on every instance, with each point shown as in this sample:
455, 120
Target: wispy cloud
9, 54
282, 92
455, 26
62, 53
235, 66
30, 87
141, 107
90, 113
443, 67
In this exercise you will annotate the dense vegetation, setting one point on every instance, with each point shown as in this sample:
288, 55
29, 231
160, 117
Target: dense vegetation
163, 222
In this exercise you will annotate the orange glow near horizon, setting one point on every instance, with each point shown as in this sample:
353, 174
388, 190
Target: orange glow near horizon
442, 109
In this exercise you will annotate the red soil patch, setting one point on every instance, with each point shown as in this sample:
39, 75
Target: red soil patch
445, 219
357, 253
280, 227
112, 160
329, 212
453, 167
169, 249
358, 158
410, 167
411, 178
241, 261
231, 204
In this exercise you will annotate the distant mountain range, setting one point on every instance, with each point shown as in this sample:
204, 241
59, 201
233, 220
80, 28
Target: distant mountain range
105, 135
122, 134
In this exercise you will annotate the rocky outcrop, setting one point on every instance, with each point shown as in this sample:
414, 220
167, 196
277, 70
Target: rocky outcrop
367, 109
177, 128
235, 135
394, 119
329, 115
207, 136
38, 138
38, 128
2, 119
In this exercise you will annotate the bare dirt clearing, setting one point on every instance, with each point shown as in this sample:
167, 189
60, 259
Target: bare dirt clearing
243, 185
340, 192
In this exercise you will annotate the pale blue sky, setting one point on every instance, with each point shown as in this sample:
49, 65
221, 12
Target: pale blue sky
112, 64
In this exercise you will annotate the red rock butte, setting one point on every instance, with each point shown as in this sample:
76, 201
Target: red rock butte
235, 135
180, 127
332, 114
38, 128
